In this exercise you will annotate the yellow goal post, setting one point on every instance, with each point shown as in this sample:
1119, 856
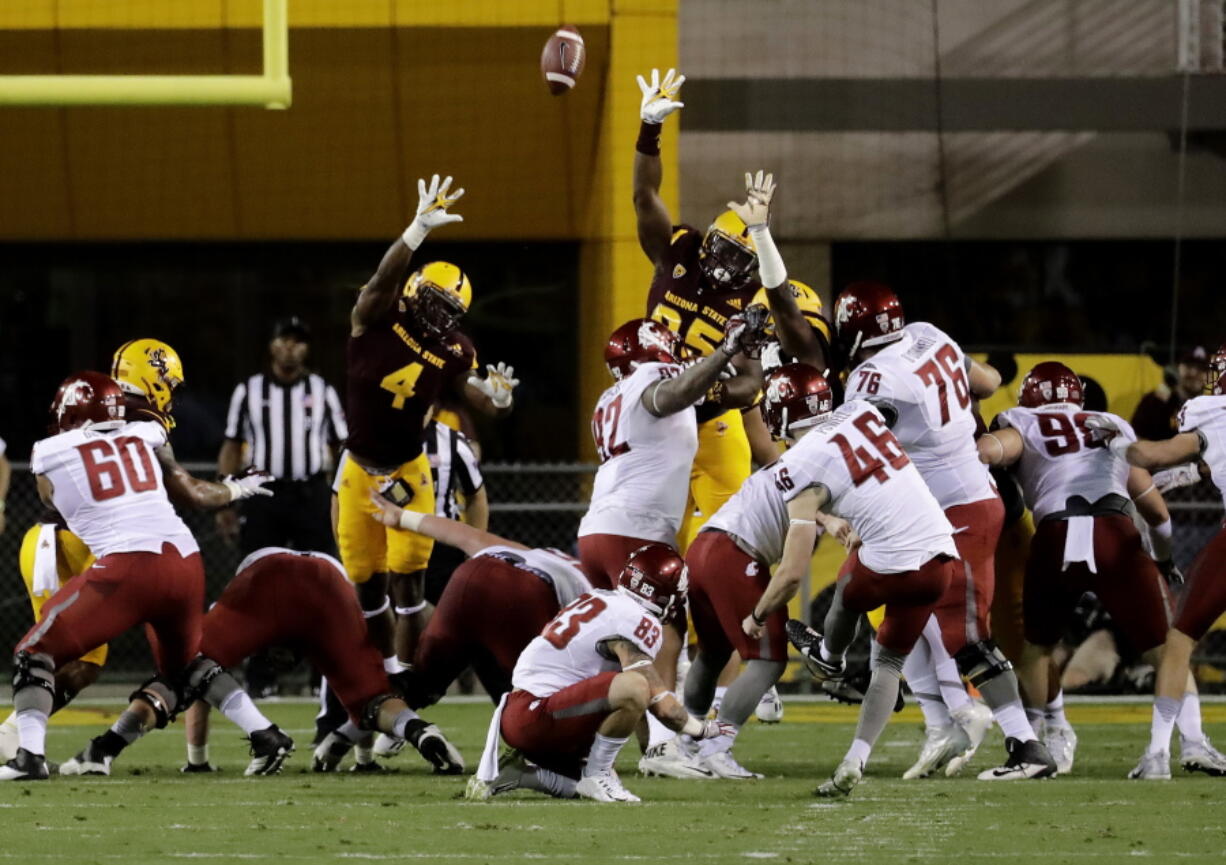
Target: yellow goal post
272, 89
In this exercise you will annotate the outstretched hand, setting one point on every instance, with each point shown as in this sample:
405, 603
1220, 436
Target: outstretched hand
660, 97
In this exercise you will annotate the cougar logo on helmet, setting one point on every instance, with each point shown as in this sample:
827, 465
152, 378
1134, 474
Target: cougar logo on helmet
76, 394
650, 337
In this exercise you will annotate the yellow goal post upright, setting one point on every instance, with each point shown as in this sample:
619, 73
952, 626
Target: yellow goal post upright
272, 89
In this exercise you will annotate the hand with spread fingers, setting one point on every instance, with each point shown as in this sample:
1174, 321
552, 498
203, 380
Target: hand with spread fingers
759, 190
499, 384
433, 202
660, 97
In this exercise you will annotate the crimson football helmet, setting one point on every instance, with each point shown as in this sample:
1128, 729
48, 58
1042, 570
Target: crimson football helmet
656, 578
867, 314
1217, 369
640, 340
796, 396
88, 399
1050, 382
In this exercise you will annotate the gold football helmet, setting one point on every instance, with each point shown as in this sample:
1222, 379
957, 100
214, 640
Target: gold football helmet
438, 295
728, 256
810, 307
151, 369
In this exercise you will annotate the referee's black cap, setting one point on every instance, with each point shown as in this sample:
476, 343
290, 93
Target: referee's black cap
292, 326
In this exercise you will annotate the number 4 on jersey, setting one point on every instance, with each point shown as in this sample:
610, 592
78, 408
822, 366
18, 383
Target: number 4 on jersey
402, 383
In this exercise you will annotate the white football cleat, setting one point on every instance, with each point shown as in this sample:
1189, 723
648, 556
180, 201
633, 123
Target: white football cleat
723, 765
843, 781
329, 752
976, 720
605, 787
1201, 757
770, 707
387, 746
1154, 766
941, 744
1061, 741
668, 760
10, 738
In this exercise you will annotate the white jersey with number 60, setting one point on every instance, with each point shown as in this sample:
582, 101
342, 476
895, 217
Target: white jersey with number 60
1061, 459
922, 377
108, 487
1206, 415
572, 647
644, 476
872, 483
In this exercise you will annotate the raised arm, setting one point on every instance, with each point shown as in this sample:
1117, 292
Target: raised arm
206, 495
1000, 447
654, 222
380, 291
453, 533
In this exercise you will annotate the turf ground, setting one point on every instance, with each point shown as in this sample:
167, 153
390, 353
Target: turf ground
148, 812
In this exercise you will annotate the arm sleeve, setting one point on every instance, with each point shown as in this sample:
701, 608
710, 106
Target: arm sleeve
468, 470
236, 417
338, 429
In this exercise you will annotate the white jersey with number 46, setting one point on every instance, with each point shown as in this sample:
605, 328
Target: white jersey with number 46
573, 647
1061, 459
1206, 416
644, 476
872, 485
108, 487
922, 378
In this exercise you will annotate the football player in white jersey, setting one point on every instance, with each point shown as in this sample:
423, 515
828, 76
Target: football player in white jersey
1086, 540
920, 378
846, 471
105, 478
582, 687
1201, 436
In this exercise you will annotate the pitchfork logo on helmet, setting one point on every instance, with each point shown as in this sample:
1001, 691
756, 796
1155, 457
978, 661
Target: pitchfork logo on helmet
151, 369
656, 578
1048, 383
639, 341
797, 397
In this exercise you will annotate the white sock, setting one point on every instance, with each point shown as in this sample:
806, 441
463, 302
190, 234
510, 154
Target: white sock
657, 733
32, 727
917, 670
198, 755
401, 721
1036, 717
824, 652
350, 731
707, 747
1054, 712
391, 664
944, 668
604, 752
240, 710
1165, 711
1013, 722
859, 751
1188, 719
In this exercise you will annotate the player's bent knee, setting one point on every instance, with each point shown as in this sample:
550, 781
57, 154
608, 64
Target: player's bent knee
33, 681
370, 712
981, 662
159, 696
205, 679
630, 690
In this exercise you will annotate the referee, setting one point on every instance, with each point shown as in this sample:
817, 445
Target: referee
289, 422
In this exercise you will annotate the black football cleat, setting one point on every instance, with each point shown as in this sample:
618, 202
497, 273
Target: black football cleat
431, 744
808, 642
269, 749
25, 766
1026, 760
198, 768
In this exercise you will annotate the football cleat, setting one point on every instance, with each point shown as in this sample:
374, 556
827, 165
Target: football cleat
431, 744
770, 707
25, 766
197, 768
1061, 742
388, 746
1201, 757
91, 761
370, 767
975, 719
808, 642
513, 771
604, 787
668, 760
1026, 760
723, 765
842, 782
269, 749
10, 739
1154, 766
941, 744
329, 753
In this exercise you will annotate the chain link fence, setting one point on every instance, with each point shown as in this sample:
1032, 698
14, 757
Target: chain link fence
538, 504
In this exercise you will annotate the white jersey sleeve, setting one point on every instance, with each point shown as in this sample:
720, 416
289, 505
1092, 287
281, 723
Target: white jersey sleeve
109, 488
560, 571
642, 485
1206, 416
573, 646
1060, 459
922, 379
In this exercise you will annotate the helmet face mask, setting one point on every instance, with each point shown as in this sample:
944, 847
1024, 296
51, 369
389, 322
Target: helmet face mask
725, 262
435, 309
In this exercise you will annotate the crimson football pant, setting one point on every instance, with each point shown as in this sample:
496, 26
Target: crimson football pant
909, 598
1204, 597
602, 557
963, 611
303, 603
557, 731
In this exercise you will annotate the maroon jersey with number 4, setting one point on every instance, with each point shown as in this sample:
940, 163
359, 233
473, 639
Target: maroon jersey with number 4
395, 373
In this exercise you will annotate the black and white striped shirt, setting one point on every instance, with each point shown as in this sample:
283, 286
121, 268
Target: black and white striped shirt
287, 426
454, 467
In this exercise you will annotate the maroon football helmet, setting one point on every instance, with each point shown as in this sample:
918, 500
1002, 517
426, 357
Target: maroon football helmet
795, 392
87, 399
1050, 382
657, 578
867, 314
1214, 376
640, 340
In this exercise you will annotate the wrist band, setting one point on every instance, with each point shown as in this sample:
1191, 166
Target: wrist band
802, 522
1163, 530
648, 142
754, 615
771, 269
661, 696
414, 235
410, 521
646, 662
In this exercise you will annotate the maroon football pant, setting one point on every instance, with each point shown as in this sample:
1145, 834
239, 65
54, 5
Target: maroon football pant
306, 604
725, 585
489, 611
557, 731
1204, 597
963, 611
602, 557
909, 597
1127, 583
164, 591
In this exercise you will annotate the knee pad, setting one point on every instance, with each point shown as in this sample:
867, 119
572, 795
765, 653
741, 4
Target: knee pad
370, 712
981, 662
34, 681
159, 696
205, 679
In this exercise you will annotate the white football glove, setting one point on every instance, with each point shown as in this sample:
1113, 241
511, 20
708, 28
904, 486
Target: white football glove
1103, 429
715, 729
759, 190
248, 485
432, 204
660, 97
1179, 476
498, 384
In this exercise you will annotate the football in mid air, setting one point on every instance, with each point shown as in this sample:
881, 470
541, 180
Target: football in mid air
563, 58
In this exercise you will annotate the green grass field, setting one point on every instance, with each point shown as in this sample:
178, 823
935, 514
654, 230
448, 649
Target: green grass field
148, 812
